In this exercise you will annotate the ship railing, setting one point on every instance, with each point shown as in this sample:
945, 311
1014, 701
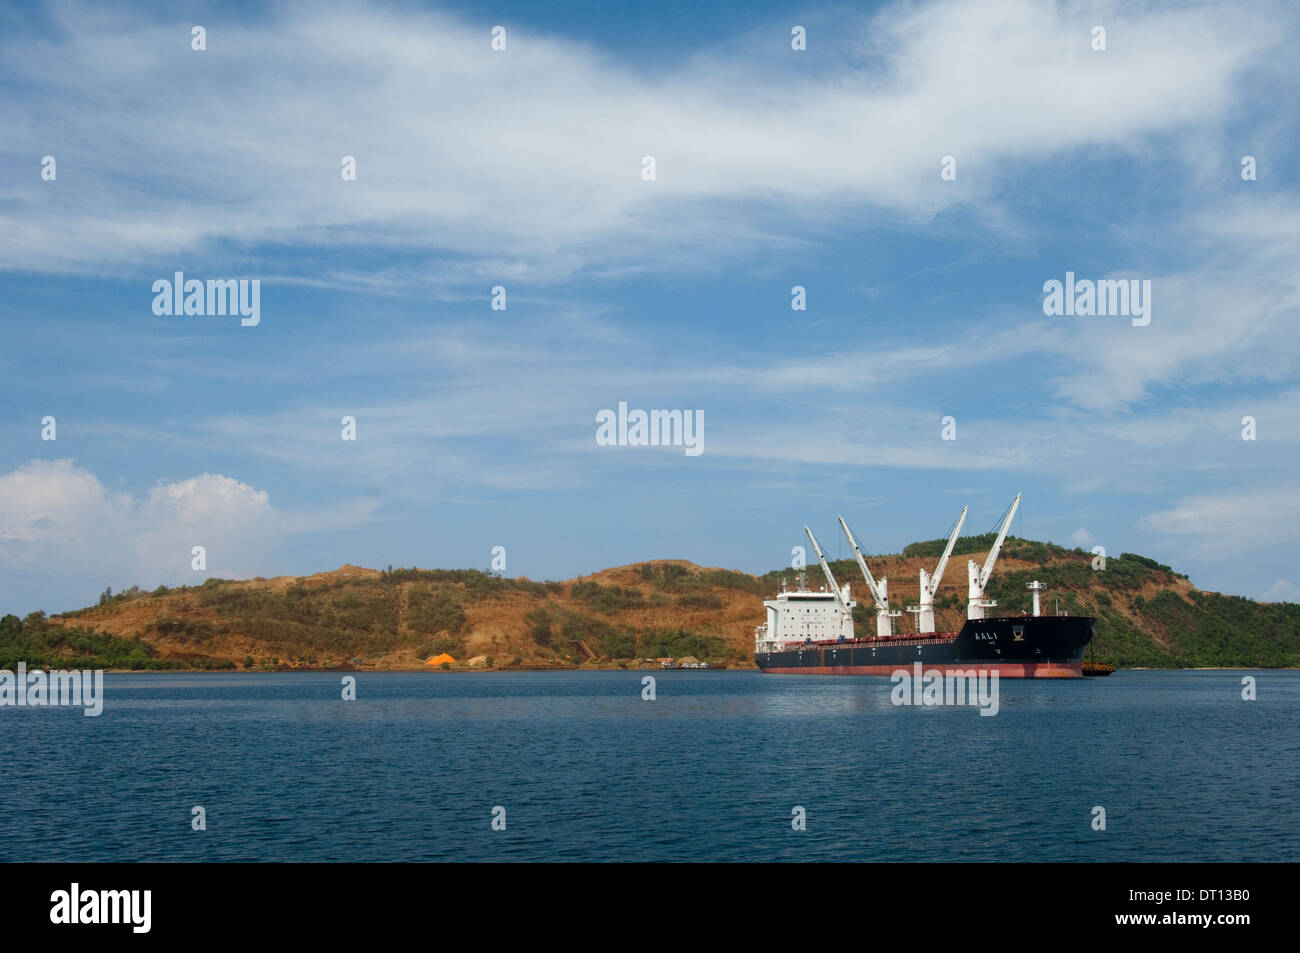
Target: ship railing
928, 638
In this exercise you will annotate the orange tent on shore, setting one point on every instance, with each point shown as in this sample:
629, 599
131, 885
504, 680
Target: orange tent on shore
439, 659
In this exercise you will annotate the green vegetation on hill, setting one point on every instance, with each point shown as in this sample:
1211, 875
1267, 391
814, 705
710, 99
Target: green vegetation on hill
476, 584
35, 641
965, 545
613, 641
607, 599
1148, 615
1164, 630
365, 615
672, 578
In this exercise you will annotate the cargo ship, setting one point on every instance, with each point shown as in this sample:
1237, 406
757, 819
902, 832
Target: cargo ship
811, 631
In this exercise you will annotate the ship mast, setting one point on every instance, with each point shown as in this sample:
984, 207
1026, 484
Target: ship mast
930, 583
1036, 587
979, 578
879, 588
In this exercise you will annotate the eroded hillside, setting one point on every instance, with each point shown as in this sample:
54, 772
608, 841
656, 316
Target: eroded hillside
394, 619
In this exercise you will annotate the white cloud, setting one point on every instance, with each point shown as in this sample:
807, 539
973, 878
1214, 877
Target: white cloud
1283, 590
1226, 323
1228, 523
531, 158
523, 167
1081, 537
58, 518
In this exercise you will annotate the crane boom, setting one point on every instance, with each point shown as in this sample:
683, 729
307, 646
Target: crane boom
830, 579
881, 601
930, 584
943, 562
997, 547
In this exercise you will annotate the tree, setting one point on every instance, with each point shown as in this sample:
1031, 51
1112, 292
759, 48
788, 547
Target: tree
541, 630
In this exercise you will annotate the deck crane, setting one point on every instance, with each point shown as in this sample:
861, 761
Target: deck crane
979, 578
930, 582
845, 612
879, 588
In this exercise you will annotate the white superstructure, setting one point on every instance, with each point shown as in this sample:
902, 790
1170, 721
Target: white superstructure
804, 615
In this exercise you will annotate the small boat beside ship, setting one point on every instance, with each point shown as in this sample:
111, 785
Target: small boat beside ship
811, 632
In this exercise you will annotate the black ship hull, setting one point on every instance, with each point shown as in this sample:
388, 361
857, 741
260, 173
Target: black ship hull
1014, 647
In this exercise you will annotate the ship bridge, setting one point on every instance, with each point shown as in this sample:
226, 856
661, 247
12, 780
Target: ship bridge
806, 615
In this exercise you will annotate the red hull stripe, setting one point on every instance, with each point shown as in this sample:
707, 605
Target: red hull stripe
1004, 669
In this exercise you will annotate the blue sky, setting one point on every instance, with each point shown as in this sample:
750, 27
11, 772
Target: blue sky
522, 168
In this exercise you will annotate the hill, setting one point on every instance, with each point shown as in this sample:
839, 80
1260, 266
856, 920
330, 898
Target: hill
1148, 615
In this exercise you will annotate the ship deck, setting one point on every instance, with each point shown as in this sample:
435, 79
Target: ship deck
910, 638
